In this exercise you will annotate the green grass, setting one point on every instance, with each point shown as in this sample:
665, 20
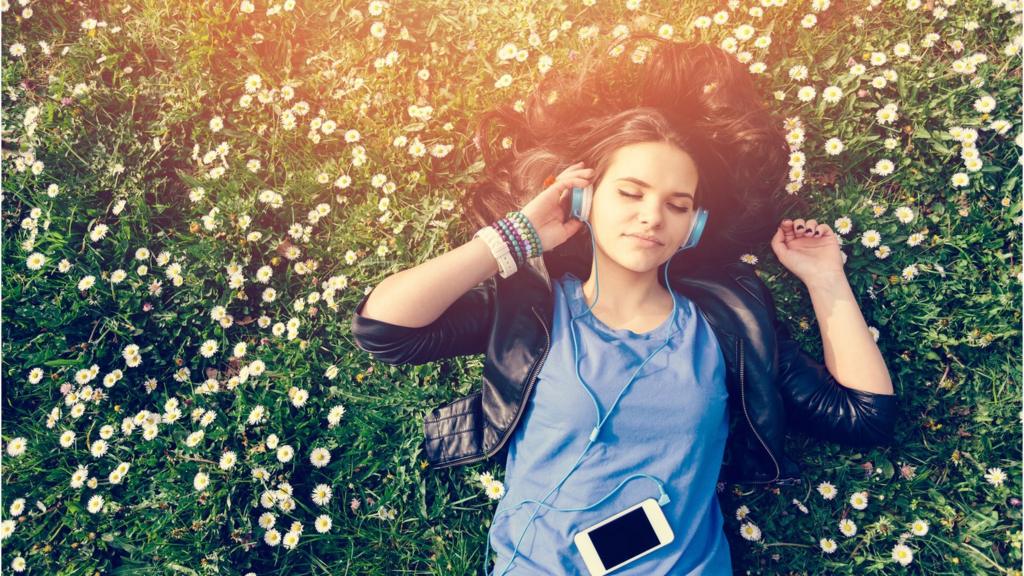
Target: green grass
950, 336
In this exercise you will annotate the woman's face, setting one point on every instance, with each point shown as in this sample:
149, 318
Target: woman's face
647, 190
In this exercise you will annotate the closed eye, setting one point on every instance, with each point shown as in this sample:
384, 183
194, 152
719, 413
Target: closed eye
681, 210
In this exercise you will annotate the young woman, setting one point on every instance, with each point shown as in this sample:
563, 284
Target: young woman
628, 349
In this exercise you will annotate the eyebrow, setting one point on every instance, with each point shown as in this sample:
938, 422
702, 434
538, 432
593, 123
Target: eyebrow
643, 184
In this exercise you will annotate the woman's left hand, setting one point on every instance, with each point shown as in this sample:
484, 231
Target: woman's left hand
809, 250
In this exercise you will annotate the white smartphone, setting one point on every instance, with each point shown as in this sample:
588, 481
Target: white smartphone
623, 538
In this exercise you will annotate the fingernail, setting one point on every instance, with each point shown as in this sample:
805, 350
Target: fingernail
800, 227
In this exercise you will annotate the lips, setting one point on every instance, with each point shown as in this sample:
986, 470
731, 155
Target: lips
646, 239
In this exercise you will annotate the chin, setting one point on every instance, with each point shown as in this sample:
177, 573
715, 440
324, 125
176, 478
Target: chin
639, 262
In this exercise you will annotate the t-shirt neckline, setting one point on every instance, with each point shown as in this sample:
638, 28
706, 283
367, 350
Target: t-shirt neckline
573, 289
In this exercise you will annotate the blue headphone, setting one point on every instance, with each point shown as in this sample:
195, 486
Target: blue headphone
582, 199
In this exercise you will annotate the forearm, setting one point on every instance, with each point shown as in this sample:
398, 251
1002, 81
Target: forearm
851, 354
417, 296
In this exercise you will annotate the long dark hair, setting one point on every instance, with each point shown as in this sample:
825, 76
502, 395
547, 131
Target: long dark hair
692, 95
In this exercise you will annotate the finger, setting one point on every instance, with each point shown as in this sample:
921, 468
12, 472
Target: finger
822, 231
809, 227
582, 172
568, 183
787, 229
779, 238
563, 188
798, 225
574, 168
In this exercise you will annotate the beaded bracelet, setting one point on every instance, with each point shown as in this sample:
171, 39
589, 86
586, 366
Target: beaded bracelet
505, 227
523, 235
512, 240
532, 235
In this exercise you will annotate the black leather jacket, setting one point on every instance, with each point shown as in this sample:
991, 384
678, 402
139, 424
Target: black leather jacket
771, 382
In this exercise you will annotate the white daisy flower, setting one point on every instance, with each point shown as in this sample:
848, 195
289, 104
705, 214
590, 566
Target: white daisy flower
208, 348
806, 93
847, 527
910, 272
827, 490
291, 540
883, 167
320, 457
904, 214
495, 490
750, 531
902, 554
334, 416
267, 520
321, 494
828, 545
98, 448
256, 415
870, 238
843, 225
322, 523
995, 476
86, 282
831, 94
859, 500
985, 104
35, 261
834, 146
227, 459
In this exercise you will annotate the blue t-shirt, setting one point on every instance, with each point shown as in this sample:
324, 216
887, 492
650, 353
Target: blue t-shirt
671, 423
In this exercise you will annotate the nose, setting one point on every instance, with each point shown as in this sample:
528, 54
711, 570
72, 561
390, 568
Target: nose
650, 213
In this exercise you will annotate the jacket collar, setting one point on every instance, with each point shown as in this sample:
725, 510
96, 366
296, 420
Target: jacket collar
701, 284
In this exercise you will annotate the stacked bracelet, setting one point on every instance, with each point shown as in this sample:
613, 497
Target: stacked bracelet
506, 264
533, 239
525, 241
511, 237
512, 240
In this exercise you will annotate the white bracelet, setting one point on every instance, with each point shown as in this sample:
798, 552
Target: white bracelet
499, 249
506, 263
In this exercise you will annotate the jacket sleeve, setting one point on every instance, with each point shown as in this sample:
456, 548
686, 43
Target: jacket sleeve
463, 329
817, 404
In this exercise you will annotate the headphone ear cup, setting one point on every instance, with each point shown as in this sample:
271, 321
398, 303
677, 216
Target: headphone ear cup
588, 202
696, 229
582, 198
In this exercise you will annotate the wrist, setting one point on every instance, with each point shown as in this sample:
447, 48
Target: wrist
827, 282
500, 250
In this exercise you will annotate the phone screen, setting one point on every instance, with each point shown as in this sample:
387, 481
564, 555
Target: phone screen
623, 538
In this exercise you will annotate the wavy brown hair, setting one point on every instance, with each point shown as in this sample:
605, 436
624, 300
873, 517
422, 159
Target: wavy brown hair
692, 95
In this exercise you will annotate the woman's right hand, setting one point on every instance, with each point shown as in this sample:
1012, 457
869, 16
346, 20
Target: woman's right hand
546, 210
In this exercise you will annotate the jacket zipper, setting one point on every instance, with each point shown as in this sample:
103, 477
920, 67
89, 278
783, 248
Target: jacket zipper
743, 402
522, 404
